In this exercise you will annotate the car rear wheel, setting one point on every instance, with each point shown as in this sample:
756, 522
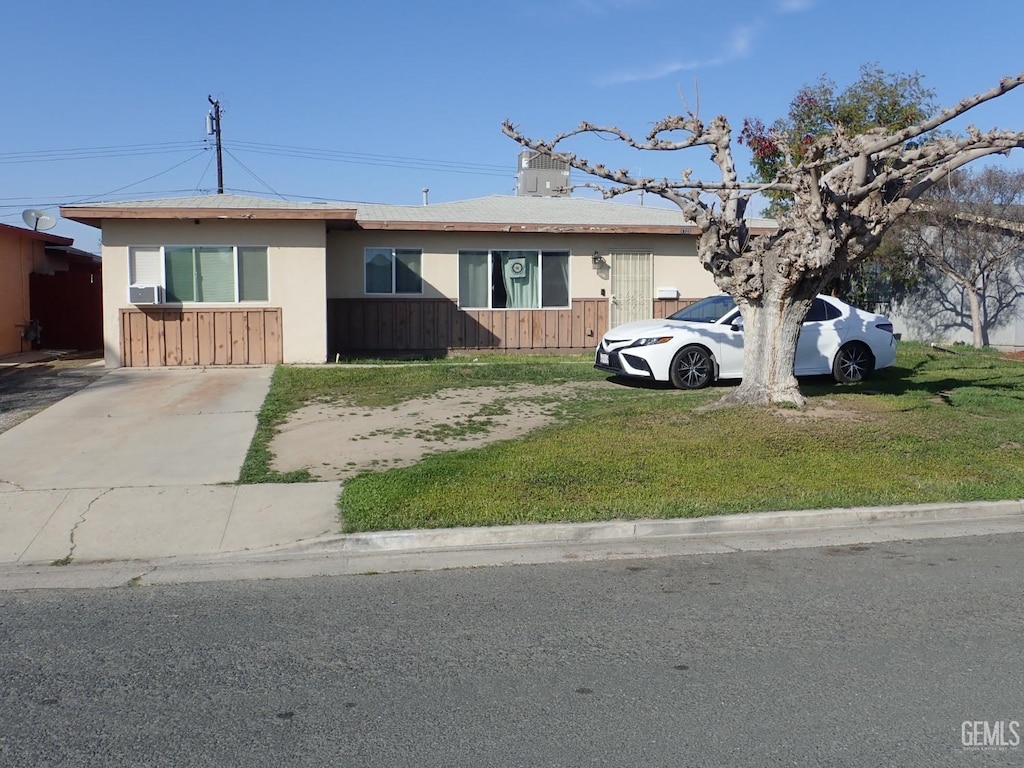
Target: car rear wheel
691, 368
853, 363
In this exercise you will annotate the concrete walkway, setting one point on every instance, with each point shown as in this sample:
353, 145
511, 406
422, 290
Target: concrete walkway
142, 464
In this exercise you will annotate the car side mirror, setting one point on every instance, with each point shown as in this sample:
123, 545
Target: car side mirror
737, 324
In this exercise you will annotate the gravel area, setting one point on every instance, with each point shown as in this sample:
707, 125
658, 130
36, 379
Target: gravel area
28, 388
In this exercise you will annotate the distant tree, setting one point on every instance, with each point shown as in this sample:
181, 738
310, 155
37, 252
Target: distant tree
970, 230
847, 188
890, 101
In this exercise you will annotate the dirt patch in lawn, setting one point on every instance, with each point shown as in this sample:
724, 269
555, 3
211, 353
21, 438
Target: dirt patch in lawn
337, 441
826, 409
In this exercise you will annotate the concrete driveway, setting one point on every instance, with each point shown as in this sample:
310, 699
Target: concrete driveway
142, 464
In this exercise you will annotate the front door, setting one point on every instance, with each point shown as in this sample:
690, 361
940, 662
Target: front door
632, 292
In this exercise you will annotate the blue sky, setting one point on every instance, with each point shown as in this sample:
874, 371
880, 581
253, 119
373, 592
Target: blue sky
107, 100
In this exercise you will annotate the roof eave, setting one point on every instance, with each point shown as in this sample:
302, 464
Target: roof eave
570, 229
33, 234
95, 216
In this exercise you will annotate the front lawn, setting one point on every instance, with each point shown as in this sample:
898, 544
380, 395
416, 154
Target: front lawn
937, 427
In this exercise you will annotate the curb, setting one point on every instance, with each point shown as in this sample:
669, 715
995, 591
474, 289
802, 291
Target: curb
436, 549
443, 539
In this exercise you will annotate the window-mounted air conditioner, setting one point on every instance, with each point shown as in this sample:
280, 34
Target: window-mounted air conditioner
145, 294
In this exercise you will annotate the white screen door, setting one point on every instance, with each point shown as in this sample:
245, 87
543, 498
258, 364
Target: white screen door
632, 294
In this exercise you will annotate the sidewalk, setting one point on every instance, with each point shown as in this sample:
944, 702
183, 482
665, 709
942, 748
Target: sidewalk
841, 531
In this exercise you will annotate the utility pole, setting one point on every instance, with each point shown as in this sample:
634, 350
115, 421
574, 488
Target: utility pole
213, 126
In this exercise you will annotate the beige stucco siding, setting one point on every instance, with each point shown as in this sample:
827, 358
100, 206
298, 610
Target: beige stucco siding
675, 262
296, 274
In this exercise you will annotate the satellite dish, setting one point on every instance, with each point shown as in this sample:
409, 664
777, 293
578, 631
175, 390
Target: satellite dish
40, 221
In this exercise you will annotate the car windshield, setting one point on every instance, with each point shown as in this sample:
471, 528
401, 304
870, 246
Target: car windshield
708, 310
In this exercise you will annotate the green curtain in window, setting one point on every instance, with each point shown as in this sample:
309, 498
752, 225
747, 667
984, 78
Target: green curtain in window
252, 274
180, 274
215, 278
522, 292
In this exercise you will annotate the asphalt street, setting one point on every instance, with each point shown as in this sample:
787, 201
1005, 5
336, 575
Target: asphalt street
867, 654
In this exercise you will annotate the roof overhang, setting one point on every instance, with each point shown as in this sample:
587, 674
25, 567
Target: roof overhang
32, 234
96, 215
562, 229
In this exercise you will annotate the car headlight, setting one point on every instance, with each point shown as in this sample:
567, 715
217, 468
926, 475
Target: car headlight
652, 340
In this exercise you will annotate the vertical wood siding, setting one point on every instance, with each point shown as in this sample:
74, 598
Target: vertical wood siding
665, 307
420, 325
169, 337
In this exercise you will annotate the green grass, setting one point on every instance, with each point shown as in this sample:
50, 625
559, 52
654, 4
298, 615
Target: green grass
938, 427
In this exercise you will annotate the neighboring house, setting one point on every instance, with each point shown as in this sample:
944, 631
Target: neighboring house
226, 279
50, 293
982, 252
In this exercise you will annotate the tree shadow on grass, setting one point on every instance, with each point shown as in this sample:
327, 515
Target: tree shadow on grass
901, 380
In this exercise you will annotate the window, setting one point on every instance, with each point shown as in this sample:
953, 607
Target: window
222, 273
821, 311
393, 270
709, 310
513, 279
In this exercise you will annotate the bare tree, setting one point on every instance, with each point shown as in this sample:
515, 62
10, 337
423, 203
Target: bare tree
847, 190
971, 231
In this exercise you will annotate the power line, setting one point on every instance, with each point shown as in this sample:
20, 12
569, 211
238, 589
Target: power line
247, 170
91, 153
361, 158
140, 181
203, 175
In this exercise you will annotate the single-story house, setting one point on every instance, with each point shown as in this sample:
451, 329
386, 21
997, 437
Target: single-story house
50, 292
227, 279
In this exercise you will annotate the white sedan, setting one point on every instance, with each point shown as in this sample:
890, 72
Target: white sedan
704, 342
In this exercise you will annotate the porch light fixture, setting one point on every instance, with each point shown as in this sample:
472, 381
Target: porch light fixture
598, 260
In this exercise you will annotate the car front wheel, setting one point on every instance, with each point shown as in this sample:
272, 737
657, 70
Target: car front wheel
853, 363
691, 368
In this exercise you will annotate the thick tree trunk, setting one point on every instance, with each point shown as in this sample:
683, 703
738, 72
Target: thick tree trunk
976, 326
771, 329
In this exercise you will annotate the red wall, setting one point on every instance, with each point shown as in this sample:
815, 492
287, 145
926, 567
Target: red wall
69, 307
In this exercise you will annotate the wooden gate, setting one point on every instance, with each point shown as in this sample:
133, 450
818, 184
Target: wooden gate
69, 307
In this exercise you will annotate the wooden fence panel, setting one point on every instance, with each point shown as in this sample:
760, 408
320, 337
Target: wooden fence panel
255, 349
273, 336
189, 339
170, 337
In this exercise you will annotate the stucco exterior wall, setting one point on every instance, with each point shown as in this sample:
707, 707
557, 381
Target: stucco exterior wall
296, 274
18, 257
675, 262
942, 315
